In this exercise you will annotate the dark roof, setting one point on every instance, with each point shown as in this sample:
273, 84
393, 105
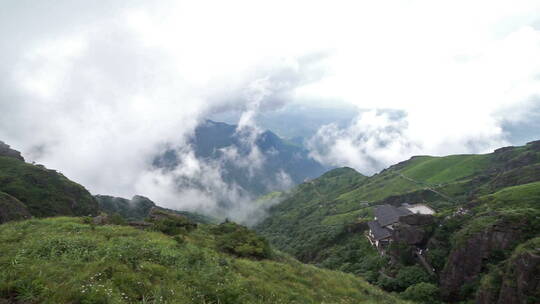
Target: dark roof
378, 232
387, 215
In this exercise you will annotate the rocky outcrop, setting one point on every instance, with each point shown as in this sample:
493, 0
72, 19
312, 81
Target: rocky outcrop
517, 281
468, 260
411, 229
522, 280
5, 150
11, 209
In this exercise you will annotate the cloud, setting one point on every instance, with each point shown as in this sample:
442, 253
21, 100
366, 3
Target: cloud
99, 100
97, 89
461, 75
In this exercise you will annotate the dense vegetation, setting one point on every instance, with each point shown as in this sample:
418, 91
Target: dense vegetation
322, 221
66, 260
138, 208
44, 192
483, 243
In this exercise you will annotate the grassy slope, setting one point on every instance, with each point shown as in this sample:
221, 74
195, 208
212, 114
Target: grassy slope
317, 230
118, 264
44, 192
317, 212
512, 204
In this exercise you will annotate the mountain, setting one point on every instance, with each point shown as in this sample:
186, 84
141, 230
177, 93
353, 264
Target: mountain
139, 207
171, 257
281, 162
487, 206
69, 260
33, 190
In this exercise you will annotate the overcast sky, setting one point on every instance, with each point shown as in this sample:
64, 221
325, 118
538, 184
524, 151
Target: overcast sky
95, 88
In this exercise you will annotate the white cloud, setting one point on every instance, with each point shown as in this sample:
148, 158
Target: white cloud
96, 89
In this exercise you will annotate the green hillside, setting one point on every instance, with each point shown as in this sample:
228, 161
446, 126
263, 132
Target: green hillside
138, 208
67, 260
44, 192
323, 221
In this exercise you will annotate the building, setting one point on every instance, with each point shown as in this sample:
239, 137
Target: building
386, 217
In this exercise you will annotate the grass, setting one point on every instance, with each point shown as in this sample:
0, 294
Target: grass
64, 260
311, 224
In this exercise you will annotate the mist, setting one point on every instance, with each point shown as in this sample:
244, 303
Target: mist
97, 90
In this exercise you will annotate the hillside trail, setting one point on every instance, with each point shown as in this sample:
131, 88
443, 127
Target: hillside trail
427, 187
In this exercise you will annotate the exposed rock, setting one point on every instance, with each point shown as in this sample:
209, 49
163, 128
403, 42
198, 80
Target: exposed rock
411, 229
5, 150
467, 261
522, 280
411, 235
102, 219
11, 209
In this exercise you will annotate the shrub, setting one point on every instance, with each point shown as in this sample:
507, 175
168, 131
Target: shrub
411, 275
171, 224
117, 219
422, 293
240, 241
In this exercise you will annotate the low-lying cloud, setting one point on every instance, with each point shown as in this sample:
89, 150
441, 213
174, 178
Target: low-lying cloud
97, 90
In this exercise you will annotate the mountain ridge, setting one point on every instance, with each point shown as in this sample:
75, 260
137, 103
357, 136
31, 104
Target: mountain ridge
327, 228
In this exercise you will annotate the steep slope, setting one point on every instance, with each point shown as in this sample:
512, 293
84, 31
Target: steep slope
118, 264
6, 151
216, 142
494, 226
328, 229
44, 192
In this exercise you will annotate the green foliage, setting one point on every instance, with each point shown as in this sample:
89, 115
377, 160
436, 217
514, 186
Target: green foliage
240, 241
425, 293
174, 225
411, 275
64, 260
11, 209
403, 252
117, 219
138, 209
488, 190
44, 192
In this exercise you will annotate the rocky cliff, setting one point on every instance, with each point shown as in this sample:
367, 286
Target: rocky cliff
469, 259
517, 280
